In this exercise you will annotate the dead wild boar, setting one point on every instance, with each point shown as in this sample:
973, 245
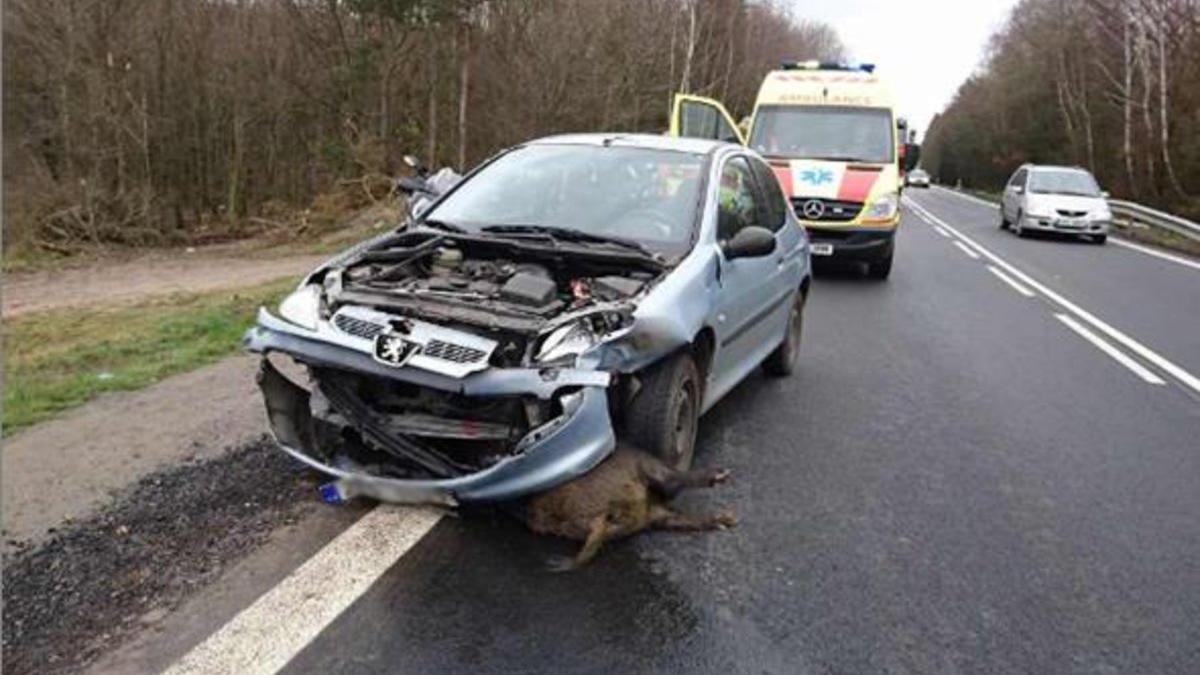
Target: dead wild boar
625, 494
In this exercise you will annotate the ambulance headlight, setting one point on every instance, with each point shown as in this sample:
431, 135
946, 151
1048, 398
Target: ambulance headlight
883, 207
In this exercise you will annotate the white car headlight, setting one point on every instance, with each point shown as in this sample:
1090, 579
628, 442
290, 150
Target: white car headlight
303, 306
883, 208
564, 343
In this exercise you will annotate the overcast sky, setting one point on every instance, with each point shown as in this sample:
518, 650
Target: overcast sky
925, 48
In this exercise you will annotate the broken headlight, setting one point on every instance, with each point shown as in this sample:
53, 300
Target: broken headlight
562, 345
303, 306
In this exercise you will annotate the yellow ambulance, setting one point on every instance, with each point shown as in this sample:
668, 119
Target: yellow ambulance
831, 134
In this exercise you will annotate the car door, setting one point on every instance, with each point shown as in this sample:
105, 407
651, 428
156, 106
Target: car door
699, 117
1010, 201
750, 308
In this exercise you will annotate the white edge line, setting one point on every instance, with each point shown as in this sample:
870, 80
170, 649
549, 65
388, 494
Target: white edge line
1189, 380
280, 623
1011, 282
1116, 354
941, 230
968, 197
966, 250
1156, 253
1179, 260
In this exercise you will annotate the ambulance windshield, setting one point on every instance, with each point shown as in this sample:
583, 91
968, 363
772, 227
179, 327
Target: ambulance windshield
824, 132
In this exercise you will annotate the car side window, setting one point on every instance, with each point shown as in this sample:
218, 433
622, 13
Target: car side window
773, 201
739, 203
1018, 179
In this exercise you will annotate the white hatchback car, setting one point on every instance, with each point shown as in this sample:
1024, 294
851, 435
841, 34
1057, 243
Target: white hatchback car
1055, 199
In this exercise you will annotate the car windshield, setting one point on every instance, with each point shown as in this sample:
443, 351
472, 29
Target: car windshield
818, 132
1063, 183
917, 173
645, 196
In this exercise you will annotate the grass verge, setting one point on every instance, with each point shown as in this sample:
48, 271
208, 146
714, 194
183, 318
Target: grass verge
60, 359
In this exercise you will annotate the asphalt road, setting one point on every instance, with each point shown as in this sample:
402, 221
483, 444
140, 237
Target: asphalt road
954, 481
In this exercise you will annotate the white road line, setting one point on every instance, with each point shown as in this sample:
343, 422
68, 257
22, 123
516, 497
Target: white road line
969, 252
973, 198
268, 633
1011, 282
1156, 253
940, 230
1189, 380
1112, 351
1179, 260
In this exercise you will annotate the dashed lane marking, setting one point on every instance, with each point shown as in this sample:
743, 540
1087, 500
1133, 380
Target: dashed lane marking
1116, 354
1158, 360
272, 630
1119, 241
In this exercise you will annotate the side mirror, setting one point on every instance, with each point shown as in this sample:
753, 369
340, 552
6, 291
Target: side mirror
1104, 194
416, 165
750, 242
1018, 189
411, 185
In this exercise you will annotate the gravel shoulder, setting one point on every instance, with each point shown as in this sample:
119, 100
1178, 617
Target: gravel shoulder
69, 467
96, 583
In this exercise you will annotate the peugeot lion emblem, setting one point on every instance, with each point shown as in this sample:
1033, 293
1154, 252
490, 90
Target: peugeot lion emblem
813, 209
395, 350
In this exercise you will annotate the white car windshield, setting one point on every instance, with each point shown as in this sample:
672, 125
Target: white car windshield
820, 132
1078, 183
646, 196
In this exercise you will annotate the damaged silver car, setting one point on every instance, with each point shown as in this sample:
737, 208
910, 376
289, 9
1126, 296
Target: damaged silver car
567, 290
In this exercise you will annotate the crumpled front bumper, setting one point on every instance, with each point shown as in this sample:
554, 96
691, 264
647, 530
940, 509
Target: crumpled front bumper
563, 448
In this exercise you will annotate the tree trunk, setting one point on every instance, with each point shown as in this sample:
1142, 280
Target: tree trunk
464, 75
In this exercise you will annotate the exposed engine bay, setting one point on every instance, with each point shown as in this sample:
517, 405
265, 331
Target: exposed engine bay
456, 305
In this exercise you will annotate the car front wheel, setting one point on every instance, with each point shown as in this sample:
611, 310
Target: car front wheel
663, 417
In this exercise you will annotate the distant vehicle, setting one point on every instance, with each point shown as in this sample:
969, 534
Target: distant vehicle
916, 178
831, 135
567, 289
1065, 199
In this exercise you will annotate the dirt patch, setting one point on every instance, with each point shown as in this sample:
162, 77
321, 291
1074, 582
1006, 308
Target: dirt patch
123, 282
100, 580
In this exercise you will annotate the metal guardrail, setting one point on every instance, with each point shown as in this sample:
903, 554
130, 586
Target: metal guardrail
1136, 215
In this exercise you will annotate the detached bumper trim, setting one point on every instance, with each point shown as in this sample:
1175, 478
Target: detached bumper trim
562, 449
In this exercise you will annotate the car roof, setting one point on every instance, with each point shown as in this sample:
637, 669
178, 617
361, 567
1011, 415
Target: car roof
1054, 167
699, 146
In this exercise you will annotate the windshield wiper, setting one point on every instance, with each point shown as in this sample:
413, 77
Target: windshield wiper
567, 234
443, 225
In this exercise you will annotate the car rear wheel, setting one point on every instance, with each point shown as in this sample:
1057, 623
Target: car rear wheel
663, 417
1003, 221
782, 361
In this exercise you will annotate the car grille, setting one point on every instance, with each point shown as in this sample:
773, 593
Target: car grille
434, 348
452, 352
832, 210
1071, 214
357, 327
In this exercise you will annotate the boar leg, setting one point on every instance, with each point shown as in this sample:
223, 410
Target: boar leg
664, 518
598, 532
669, 482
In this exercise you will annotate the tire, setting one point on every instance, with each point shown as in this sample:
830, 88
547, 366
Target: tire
880, 269
663, 417
1099, 239
1003, 222
1016, 226
782, 361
